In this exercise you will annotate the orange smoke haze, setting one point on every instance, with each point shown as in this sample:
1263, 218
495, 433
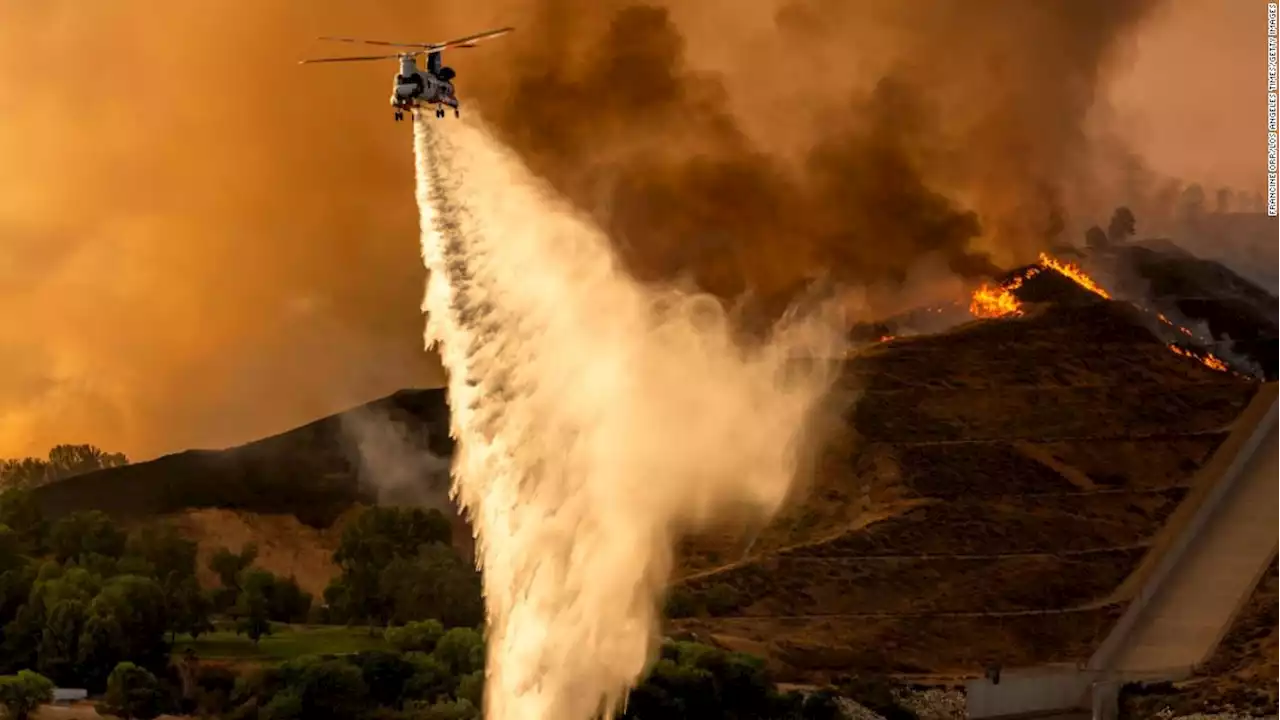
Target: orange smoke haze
202, 242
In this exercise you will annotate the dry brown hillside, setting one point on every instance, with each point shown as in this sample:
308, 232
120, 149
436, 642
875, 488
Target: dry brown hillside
994, 488
286, 547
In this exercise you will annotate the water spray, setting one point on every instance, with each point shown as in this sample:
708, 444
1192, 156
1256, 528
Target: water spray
597, 422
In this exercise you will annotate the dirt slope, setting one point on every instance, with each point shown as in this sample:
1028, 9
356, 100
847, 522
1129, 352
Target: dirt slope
286, 547
997, 485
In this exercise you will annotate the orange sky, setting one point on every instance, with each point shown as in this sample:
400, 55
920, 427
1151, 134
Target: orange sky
202, 242
1194, 99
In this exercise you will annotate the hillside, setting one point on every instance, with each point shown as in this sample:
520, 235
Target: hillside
287, 493
998, 484
315, 472
992, 489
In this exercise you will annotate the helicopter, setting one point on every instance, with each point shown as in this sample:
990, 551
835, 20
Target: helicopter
415, 88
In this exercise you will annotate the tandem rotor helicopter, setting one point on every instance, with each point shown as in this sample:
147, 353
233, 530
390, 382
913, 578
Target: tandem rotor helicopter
415, 89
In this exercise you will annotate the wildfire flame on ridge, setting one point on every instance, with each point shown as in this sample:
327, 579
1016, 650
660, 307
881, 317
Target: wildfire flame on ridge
1208, 359
1073, 272
998, 301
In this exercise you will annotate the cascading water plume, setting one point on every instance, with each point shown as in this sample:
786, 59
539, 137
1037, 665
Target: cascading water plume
597, 421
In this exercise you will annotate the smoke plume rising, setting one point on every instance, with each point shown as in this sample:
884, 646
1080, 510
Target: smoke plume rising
395, 462
596, 421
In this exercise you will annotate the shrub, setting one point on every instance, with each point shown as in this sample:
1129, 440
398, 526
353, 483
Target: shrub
132, 692
415, 636
21, 694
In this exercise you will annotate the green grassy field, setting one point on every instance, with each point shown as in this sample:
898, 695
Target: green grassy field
285, 642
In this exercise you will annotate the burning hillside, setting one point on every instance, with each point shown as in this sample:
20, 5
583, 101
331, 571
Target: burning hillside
1053, 281
1000, 301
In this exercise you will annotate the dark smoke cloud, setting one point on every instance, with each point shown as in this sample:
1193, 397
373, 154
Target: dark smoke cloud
201, 242
959, 147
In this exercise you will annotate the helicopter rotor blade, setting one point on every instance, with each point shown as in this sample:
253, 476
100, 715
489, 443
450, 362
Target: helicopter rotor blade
462, 42
357, 58
362, 41
471, 40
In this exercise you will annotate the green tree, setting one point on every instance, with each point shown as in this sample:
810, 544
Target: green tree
68, 460
445, 710
375, 538
126, 621
435, 583
87, 533
721, 599
164, 549
471, 688
50, 585
328, 689
188, 608
419, 636
20, 512
63, 461
133, 692
288, 603
21, 694
12, 555
252, 608
161, 552
228, 566
431, 679
385, 674
461, 650
379, 535
691, 680
60, 641
24, 473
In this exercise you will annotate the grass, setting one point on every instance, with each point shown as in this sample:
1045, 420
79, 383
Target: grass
285, 643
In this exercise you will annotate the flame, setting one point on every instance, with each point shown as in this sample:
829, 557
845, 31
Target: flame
1208, 359
993, 302
1073, 272
999, 301
886, 338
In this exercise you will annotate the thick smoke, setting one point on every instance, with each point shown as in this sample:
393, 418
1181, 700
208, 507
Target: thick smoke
596, 421
792, 155
205, 242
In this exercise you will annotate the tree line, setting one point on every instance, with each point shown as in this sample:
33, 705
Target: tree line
63, 461
83, 603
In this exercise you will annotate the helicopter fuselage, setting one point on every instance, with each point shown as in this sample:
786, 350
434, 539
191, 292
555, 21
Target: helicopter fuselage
416, 88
